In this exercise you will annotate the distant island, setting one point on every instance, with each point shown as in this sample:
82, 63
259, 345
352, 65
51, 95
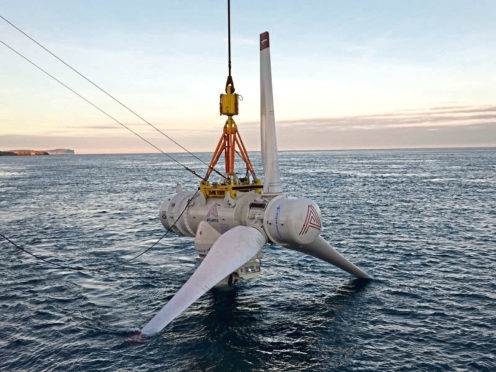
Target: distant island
60, 152
37, 152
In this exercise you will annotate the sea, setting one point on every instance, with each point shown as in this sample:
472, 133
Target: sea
422, 222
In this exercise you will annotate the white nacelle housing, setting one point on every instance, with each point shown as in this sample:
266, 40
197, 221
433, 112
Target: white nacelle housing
222, 214
171, 209
284, 221
292, 221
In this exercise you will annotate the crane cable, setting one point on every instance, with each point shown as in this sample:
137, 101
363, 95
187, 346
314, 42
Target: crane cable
229, 77
101, 110
103, 91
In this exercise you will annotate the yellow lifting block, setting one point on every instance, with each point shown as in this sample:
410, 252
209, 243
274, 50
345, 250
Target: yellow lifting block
219, 191
229, 103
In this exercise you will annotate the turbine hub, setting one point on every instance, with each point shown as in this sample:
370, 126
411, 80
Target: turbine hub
292, 221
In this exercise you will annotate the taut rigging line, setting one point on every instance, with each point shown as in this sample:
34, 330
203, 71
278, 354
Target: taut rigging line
103, 91
100, 109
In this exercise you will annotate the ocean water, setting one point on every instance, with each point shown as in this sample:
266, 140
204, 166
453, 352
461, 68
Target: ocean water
423, 222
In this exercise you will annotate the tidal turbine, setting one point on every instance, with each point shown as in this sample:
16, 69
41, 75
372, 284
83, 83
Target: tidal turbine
231, 220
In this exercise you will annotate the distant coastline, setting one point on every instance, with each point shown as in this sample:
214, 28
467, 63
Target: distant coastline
37, 152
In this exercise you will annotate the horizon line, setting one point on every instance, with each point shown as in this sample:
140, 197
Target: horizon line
489, 146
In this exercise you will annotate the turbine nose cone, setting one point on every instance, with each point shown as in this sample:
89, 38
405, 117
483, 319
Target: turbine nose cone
292, 221
173, 213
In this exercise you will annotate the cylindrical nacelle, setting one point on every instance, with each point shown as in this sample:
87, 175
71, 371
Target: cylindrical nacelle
221, 213
171, 209
292, 221
285, 221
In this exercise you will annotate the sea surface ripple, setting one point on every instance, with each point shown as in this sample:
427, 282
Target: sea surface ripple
422, 222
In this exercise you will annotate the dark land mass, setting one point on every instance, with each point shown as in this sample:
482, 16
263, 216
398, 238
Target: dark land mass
36, 152
60, 152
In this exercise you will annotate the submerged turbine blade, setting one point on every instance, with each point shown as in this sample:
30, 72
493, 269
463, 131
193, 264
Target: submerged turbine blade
321, 249
229, 252
272, 179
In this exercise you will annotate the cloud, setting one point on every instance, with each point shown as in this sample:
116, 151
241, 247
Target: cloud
93, 127
450, 116
453, 126
449, 107
466, 109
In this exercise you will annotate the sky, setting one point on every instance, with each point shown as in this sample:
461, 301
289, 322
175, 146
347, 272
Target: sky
346, 74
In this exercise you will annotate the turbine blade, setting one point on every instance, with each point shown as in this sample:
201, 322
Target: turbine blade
272, 179
321, 249
230, 251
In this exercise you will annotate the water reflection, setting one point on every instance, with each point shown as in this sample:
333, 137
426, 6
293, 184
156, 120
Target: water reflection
240, 333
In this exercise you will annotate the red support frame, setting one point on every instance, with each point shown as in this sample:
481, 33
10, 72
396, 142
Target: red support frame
229, 140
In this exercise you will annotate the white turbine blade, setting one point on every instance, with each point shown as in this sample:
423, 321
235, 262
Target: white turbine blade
272, 179
321, 249
233, 249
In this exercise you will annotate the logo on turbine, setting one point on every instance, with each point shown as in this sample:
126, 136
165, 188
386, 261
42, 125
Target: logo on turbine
213, 214
312, 220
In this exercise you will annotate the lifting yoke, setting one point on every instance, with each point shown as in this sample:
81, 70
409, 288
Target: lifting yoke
230, 140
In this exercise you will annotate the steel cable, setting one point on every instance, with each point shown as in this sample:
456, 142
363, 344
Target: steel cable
108, 94
100, 109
